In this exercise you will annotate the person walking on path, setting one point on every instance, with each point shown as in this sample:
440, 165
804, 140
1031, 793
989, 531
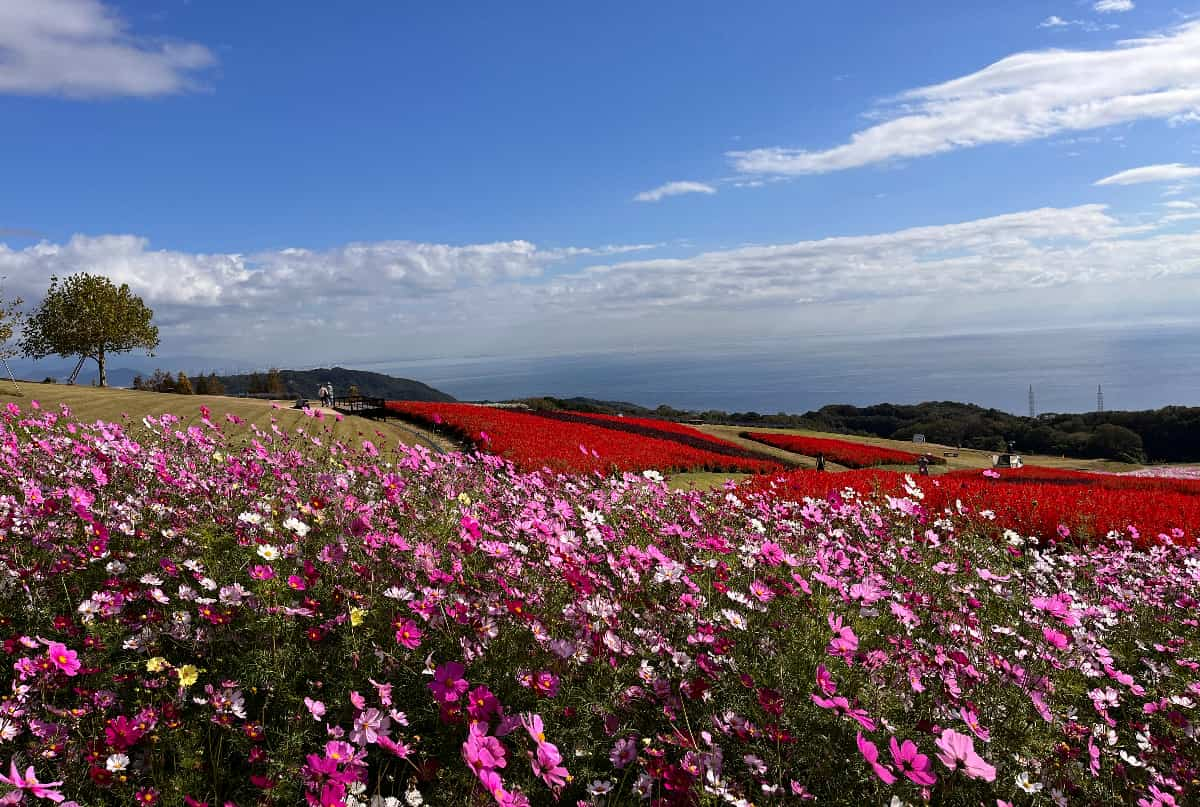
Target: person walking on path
323, 394
923, 465
821, 461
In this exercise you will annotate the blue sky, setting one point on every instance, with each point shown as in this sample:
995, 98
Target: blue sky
310, 182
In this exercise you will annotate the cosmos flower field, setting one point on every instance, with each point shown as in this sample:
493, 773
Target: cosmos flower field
221, 615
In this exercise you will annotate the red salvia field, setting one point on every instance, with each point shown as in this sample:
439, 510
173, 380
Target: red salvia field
532, 442
1046, 502
660, 429
843, 452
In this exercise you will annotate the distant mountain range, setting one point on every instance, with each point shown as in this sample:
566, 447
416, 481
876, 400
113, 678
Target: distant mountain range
373, 385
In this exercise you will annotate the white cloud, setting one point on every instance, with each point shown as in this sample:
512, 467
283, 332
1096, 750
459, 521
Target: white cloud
1055, 21
1023, 97
1165, 172
673, 189
1180, 205
83, 49
400, 299
1111, 6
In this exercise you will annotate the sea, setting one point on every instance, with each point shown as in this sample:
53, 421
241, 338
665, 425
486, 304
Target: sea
1133, 367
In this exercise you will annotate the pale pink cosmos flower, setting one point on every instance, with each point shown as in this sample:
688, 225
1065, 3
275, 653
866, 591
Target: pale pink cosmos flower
957, 752
315, 708
623, 752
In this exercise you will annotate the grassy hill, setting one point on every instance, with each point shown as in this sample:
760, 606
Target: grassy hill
372, 385
117, 405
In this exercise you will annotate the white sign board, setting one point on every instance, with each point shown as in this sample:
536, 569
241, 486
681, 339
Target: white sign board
918, 438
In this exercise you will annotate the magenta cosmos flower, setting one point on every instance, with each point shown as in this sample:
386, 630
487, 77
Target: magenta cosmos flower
957, 752
64, 658
871, 755
448, 682
912, 763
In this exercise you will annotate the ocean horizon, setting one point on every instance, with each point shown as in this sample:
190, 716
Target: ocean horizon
1137, 368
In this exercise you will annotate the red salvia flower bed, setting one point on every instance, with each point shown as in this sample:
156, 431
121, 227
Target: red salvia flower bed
843, 452
532, 442
1044, 502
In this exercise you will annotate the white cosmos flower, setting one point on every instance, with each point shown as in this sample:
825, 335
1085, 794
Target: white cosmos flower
268, 552
297, 526
1024, 782
117, 762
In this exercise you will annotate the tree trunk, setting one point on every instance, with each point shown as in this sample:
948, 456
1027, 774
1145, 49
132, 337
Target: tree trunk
103, 373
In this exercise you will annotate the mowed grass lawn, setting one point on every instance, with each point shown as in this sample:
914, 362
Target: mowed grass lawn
110, 404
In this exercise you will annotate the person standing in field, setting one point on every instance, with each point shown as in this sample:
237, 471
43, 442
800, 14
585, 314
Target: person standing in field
821, 461
923, 465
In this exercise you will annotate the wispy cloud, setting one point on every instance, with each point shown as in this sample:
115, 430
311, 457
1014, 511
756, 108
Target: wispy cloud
84, 49
673, 189
1165, 172
1055, 21
1023, 97
1113, 6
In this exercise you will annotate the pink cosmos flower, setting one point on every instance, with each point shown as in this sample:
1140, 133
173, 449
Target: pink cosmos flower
1056, 638
30, 783
315, 708
481, 751
825, 681
482, 704
1158, 798
448, 683
65, 659
409, 635
841, 707
547, 764
971, 718
957, 752
623, 752
871, 755
545, 684
844, 642
401, 749
912, 763
534, 725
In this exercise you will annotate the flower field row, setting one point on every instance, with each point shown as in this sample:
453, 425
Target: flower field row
190, 618
1037, 501
843, 452
534, 442
661, 430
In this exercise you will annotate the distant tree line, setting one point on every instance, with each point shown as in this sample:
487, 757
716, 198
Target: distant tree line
179, 383
1170, 434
